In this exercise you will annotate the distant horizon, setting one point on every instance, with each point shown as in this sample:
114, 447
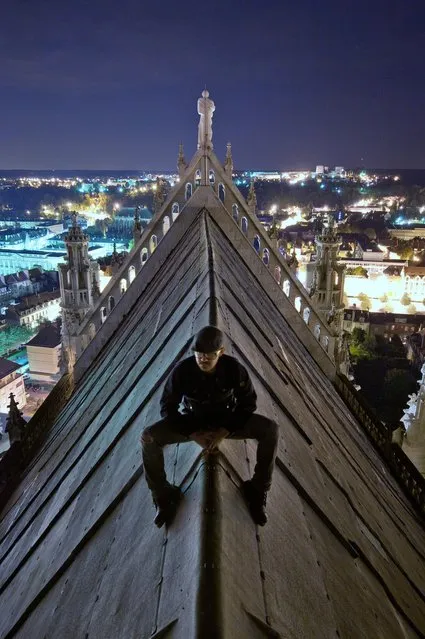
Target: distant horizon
238, 170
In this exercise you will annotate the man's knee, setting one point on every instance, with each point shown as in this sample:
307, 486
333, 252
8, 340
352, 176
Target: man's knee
273, 430
147, 436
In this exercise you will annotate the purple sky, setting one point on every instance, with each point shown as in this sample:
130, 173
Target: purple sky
98, 84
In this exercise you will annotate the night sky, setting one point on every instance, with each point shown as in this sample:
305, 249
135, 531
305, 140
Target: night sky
113, 84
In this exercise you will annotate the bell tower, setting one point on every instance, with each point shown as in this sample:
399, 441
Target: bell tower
325, 282
79, 286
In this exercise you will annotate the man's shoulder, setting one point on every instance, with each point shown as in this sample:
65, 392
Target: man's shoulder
231, 363
185, 364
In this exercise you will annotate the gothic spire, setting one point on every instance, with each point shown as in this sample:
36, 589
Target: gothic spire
15, 423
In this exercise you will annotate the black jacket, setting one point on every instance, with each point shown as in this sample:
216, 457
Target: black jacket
217, 398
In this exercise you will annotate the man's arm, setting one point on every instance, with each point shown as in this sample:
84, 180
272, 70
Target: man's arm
172, 395
245, 395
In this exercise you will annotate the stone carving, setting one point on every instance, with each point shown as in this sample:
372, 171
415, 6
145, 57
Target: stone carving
206, 108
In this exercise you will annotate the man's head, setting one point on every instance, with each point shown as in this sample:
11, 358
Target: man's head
208, 347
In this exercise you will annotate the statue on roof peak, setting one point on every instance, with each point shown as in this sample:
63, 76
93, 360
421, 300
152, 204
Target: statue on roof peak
206, 108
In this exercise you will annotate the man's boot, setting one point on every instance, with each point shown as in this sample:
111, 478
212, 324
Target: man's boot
256, 500
166, 505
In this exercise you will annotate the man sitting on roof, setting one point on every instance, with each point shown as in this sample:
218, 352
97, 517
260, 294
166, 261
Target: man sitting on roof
208, 397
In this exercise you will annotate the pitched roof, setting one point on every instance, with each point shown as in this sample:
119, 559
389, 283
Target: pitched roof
31, 301
49, 337
7, 367
344, 549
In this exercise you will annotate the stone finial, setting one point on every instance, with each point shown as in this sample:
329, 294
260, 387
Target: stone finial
228, 164
137, 226
252, 198
160, 195
15, 423
95, 287
181, 162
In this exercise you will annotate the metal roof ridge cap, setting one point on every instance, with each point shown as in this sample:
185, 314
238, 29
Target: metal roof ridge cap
208, 611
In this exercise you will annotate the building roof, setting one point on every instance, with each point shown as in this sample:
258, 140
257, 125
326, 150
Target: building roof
49, 337
32, 301
7, 367
343, 552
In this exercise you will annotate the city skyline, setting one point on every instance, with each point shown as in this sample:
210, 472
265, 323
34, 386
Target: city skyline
114, 85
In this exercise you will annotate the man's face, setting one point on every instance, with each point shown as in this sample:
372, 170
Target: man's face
208, 361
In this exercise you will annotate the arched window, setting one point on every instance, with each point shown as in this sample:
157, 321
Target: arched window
131, 273
123, 286
277, 274
175, 210
256, 243
143, 256
244, 225
221, 192
306, 315
325, 343
188, 191
111, 303
91, 330
153, 243
297, 303
286, 287
197, 177
266, 256
103, 314
165, 224
235, 212
211, 176
316, 331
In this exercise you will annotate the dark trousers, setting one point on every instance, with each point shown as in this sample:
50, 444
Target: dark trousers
168, 431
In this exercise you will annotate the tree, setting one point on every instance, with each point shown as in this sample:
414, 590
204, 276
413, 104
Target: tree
405, 252
384, 298
398, 384
397, 346
387, 308
13, 336
360, 271
365, 301
411, 309
358, 335
405, 300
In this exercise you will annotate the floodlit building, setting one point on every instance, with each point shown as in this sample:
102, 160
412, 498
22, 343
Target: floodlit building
34, 309
343, 552
44, 354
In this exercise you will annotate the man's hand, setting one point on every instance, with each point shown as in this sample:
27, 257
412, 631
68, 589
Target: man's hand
209, 440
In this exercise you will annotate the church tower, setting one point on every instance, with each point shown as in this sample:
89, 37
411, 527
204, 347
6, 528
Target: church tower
79, 286
325, 282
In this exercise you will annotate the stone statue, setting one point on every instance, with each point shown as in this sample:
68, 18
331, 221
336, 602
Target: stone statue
206, 108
